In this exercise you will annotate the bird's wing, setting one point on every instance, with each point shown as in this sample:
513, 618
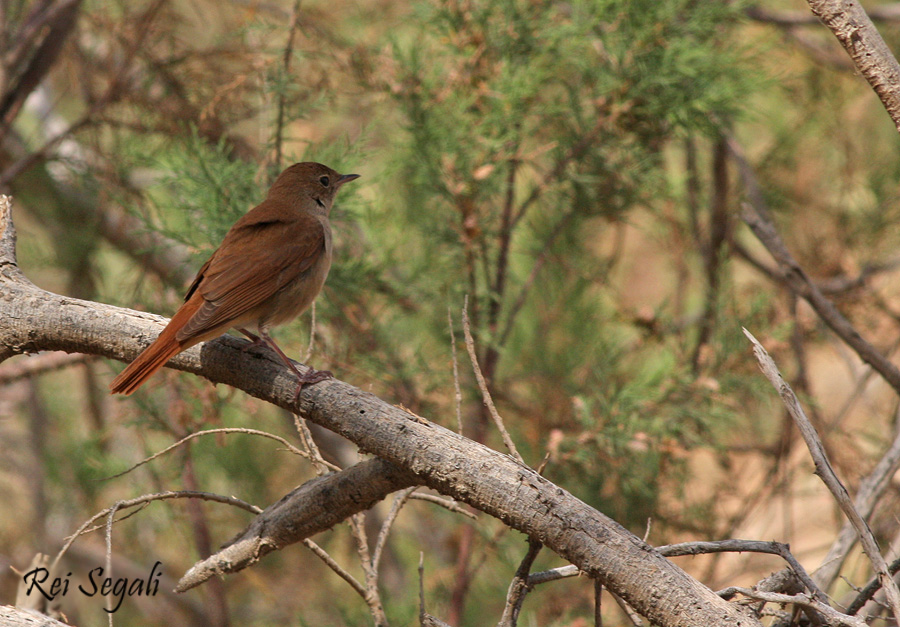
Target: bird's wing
257, 258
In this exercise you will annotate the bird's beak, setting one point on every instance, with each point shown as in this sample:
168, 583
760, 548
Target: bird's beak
346, 178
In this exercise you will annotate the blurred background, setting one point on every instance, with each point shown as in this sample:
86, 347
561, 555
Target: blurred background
564, 165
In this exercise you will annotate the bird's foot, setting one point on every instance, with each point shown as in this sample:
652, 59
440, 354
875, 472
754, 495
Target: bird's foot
310, 377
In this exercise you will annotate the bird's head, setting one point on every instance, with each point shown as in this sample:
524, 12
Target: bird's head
310, 181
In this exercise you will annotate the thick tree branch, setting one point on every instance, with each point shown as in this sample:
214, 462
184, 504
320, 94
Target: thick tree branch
883, 13
15, 617
317, 505
32, 319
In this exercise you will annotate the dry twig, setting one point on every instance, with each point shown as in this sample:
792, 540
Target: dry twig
519, 587
482, 385
329, 561
453, 506
370, 569
827, 474
313, 453
399, 501
870, 490
171, 447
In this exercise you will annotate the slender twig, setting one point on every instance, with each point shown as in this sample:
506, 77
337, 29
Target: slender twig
399, 501
868, 591
312, 334
750, 546
357, 524
313, 453
834, 285
859, 388
632, 616
519, 586
498, 289
760, 266
798, 346
138, 510
870, 490
827, 474
110, 519
506, 233
536, 267
482, 384
329, 561
575, 152
718, 236
844, 283
198, 434
598, 607
453, 506
370, 569
421, 588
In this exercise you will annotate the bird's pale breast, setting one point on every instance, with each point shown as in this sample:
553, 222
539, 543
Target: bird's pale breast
297, 296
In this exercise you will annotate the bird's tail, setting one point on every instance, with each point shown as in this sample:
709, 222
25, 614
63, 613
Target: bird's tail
148, 362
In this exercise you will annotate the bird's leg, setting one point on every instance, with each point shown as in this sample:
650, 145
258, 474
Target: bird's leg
310, 377
255, 341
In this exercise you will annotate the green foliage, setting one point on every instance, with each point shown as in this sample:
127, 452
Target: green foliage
546, 113
201, 190
532, 129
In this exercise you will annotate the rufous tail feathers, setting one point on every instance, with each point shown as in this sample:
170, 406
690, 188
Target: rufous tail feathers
146, 364
158, 353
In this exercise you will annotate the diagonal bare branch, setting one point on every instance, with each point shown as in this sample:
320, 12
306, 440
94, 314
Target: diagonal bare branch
757, 216
827, 474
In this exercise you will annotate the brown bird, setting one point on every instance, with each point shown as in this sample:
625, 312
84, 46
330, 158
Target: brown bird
269, 269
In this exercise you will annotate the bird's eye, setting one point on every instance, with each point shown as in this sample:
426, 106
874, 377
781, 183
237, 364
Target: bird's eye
324, 181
